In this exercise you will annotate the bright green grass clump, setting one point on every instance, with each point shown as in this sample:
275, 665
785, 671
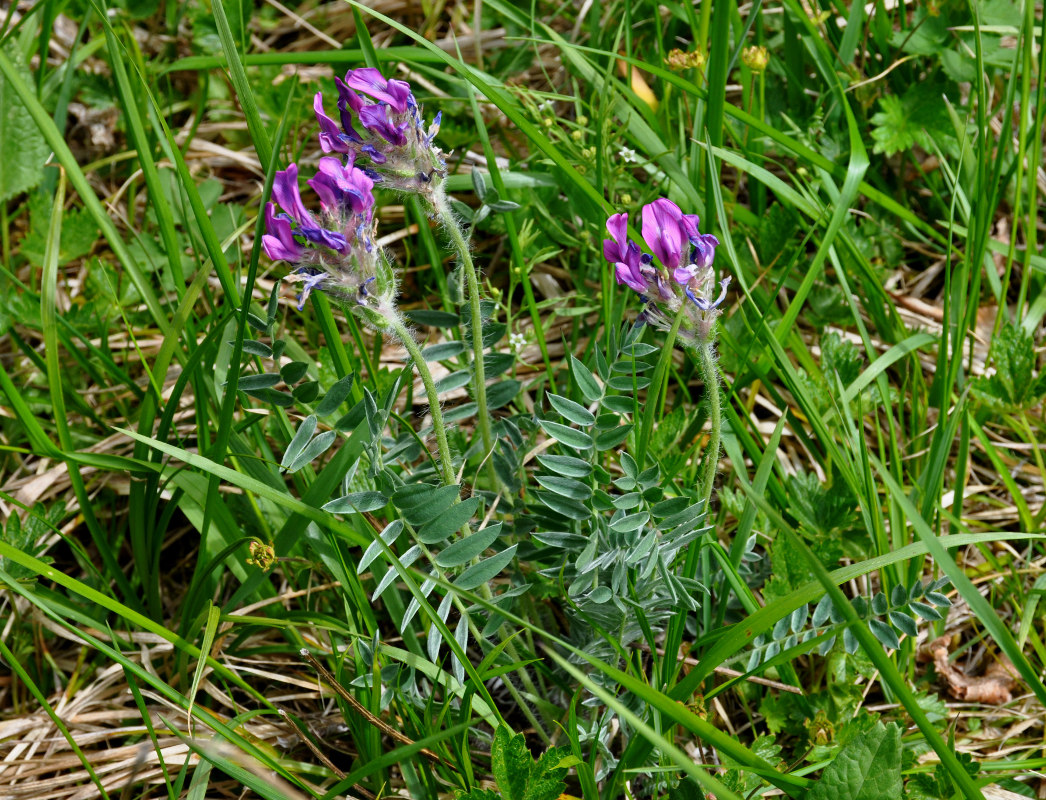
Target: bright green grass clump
488, 544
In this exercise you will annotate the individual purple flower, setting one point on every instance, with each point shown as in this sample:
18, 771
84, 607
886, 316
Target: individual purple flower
392, 135
333, 251
623, 253
680, 280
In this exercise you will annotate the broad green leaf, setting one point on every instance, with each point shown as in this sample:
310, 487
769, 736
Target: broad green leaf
868, 768
585, 380
23, 149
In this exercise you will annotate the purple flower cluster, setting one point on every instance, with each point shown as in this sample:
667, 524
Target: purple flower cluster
335, 251
681, 278
392, 134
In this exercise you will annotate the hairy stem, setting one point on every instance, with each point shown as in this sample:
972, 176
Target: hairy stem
479, 378
446, 464
710, 376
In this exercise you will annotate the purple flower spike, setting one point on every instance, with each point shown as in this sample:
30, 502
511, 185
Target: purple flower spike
389, 131
677, 286
664, 232
370, 81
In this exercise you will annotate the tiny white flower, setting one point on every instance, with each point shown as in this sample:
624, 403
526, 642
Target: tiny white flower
516, 341
627, 154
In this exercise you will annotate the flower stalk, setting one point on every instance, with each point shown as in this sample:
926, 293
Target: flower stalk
479, 378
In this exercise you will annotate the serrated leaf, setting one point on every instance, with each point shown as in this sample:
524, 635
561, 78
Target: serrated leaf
867, 768
571, 437
585, 380
571, 411
357, 503
313, 450
464, 550
79, 232
451, 520
485, 570
23, 149
335, 396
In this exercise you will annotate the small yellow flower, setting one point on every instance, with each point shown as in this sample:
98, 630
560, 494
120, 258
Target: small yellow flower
262, 556
678, 59
755, 58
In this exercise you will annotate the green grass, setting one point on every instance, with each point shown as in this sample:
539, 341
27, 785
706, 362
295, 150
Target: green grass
876, 195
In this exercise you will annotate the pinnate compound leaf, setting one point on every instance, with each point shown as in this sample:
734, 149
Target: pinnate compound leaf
867, 768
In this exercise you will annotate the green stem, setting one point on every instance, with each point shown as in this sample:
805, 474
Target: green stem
479, 389
446, 464
710, 375
656, 387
